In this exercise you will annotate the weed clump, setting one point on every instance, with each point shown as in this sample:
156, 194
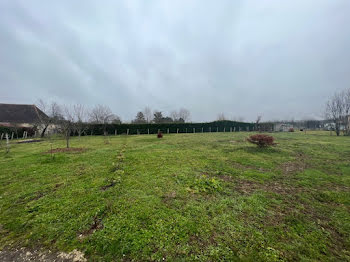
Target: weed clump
261, 140
204, 184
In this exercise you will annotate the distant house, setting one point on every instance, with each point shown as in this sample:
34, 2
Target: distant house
283, 127
20, 115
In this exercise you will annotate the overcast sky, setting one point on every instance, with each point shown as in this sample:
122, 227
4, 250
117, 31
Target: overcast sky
280, 59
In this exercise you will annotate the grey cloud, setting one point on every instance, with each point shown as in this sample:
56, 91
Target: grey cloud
281, 59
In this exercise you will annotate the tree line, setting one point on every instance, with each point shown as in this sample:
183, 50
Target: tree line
76, 118
338, 111
145, 116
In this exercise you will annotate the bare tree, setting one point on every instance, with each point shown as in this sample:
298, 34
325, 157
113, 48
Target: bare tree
67, 124
53, 112
184, 114
257, 122
221, 117
79, 114
346, 98
147, 112
174, 115
335, 110
101, 114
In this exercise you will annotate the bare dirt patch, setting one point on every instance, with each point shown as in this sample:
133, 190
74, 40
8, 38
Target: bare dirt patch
96, 225
240, 166
277, 187
38, 195
292, 167
26, 255
66, 150
168, 197
111, 184
247, 186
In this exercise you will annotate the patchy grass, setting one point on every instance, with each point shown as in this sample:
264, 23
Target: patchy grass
203, 197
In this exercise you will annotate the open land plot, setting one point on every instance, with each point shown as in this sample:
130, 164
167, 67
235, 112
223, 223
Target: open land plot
205, 197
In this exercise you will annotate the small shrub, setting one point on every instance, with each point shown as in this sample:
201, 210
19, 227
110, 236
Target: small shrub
291, 129
160, 135
261, 140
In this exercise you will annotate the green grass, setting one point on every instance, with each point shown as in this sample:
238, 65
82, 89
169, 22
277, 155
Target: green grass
204, 197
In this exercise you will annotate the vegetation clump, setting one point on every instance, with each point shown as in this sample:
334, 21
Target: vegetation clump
261, 140
160, 135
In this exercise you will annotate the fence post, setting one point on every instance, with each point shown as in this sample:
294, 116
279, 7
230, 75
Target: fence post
231, 129
2, 136
138, 132
194, 130
12, 135
168, 130
186, 130
7, 143
127, 131
224, 129
217, 129
177, 130
210, 129
148, 131
202, 129
24, 134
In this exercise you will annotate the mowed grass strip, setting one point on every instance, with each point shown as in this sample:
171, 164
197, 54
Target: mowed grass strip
203, 197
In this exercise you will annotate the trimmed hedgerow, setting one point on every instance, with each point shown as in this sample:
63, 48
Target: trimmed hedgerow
217, 126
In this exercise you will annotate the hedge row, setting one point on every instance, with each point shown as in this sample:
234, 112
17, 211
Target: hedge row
133, 129
17, 132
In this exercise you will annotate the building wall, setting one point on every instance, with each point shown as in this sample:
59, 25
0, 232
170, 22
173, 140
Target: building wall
7, 124
281, 127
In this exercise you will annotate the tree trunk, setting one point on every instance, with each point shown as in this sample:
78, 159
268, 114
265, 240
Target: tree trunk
43, 132
337, 129
67, 139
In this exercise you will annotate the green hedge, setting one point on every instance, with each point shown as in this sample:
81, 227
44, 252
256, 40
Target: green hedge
17, 132
217, 126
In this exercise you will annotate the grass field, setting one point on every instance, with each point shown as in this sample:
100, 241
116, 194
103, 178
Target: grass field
205, 197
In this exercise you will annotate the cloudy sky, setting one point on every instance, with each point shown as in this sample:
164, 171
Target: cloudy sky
281, 59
